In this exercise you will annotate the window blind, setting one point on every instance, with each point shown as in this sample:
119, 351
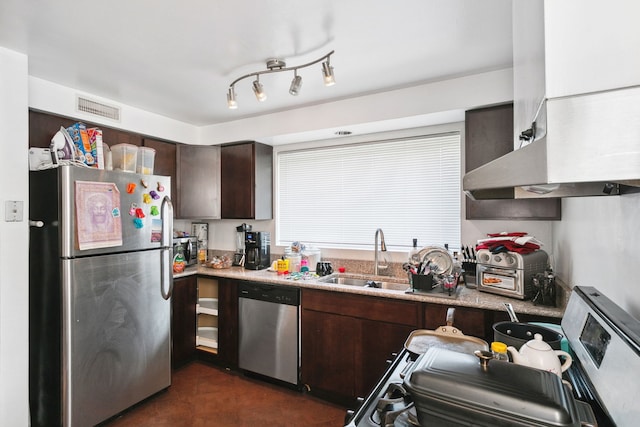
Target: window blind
337, 196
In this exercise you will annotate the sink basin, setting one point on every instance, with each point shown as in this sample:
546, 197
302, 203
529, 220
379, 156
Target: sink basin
365, 282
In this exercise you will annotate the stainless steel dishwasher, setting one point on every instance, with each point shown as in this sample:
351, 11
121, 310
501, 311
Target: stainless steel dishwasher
269, 329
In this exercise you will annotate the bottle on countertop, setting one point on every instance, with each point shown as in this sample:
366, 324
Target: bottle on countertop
414, 253
499, 350
178, 261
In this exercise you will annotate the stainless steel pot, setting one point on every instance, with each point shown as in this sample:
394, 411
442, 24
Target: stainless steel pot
515, 333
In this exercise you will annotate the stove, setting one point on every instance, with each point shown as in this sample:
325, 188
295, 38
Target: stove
605, 342
605, 345
389, 404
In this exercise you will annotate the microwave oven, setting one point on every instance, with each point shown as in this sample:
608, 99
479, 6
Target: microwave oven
189, 249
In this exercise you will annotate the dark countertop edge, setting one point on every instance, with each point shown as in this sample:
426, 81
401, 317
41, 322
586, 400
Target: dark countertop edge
466, 297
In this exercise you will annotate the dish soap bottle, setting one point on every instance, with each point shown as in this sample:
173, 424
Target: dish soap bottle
178, 261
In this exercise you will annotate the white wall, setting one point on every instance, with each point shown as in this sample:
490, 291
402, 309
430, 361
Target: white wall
14, 241
54, 98
597, 244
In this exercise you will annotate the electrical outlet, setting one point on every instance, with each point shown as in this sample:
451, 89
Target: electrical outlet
13, 210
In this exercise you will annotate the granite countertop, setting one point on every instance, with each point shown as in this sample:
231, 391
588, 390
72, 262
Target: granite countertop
466, 297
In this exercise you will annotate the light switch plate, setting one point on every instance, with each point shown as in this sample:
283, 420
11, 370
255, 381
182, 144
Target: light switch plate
13, 210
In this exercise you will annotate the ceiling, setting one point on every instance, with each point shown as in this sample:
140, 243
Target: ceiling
177, 59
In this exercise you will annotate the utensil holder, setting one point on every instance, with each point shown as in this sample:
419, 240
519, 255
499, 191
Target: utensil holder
469, 274
425, 283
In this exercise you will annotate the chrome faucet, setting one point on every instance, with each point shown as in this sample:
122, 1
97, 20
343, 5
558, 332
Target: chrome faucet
383, 248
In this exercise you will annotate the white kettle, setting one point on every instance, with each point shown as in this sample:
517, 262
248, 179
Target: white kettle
539, 354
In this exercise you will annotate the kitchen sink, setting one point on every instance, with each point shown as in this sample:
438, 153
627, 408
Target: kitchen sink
365, 282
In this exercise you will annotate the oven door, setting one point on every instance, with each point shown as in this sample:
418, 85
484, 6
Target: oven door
501, 281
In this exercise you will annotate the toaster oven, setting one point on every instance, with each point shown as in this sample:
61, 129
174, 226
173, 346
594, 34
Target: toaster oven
509, 273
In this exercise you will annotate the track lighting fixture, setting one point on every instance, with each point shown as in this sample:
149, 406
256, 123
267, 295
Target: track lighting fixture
296, 84
327, 73
231, 99
276, 66
259, 90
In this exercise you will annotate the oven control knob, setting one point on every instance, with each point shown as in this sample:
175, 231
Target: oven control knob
510, 259
484, 258
497, 259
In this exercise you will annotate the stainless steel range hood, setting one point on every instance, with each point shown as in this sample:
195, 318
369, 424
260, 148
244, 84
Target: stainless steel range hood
591, 147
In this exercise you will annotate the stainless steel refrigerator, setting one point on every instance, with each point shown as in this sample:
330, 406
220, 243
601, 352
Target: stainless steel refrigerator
100, 283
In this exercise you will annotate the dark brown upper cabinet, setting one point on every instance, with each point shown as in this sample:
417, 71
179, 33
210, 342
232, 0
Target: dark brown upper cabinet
246, 170
42, 127
198, 181
489, 135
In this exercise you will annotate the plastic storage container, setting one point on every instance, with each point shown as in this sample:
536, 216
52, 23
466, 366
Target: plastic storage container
124, 157
146, 157
295, 260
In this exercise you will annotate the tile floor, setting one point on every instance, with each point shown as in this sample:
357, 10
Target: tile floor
204, 395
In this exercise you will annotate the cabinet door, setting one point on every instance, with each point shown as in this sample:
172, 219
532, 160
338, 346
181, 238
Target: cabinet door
471, 321
183, 320
329, 343
238, 181
488, 135
228, 322
347, 339
380, 341
199, 182
165, 163
246, 181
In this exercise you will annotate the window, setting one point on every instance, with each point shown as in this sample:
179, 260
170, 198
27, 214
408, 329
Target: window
336, 197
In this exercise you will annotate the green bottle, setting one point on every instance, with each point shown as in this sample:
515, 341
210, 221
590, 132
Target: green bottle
178, 261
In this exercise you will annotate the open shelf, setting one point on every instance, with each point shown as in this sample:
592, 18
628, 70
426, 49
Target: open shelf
207, 337
207, 315
207, 306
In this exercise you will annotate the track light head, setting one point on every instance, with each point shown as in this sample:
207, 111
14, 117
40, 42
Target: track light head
231, 99
296, 84
259, 90
327, 73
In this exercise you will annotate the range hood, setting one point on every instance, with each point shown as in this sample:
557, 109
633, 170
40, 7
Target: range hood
591, 147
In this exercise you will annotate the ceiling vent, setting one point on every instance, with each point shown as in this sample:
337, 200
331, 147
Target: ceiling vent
98, 109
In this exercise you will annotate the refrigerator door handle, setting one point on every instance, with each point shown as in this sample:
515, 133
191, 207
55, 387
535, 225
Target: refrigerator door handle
166, 210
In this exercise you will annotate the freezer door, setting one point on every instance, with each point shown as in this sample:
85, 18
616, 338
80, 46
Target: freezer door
138, 207
116, 335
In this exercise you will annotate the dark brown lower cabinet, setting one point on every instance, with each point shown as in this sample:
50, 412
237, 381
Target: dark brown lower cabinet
183, 320
347, 340
471, 321
228, 322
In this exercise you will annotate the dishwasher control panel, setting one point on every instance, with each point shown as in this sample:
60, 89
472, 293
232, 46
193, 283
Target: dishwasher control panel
288, 295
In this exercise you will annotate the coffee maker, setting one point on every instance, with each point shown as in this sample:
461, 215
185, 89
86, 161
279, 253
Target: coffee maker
239, 257
257, 250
